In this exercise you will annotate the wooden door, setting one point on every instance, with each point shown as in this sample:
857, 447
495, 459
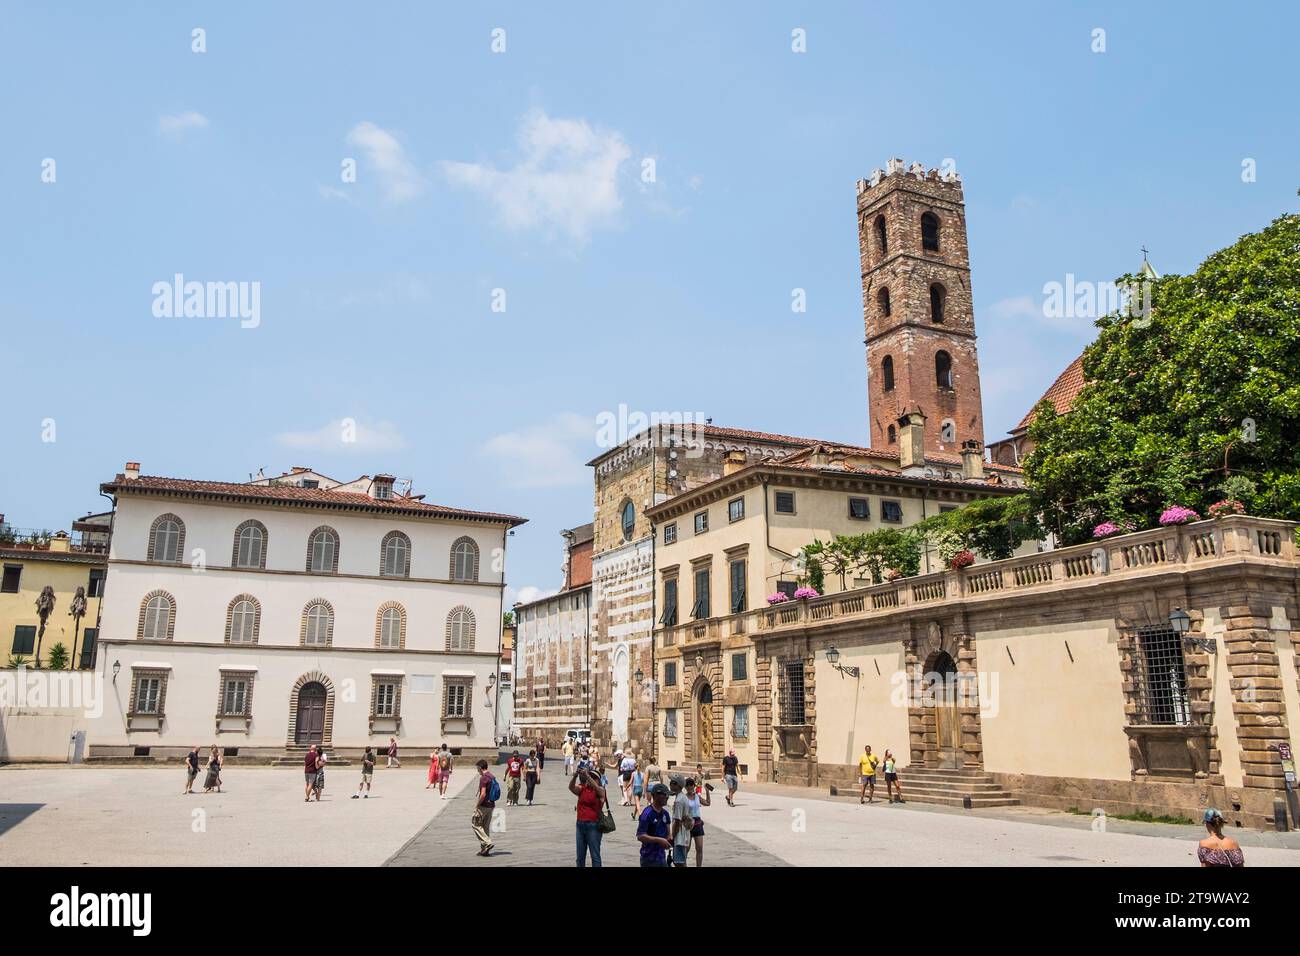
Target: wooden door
311, 714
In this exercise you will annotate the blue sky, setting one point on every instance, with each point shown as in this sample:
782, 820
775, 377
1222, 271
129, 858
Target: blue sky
523, 171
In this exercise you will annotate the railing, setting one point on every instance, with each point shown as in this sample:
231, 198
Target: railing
1130, 555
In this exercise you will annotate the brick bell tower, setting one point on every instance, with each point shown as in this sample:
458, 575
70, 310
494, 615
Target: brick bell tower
916, 302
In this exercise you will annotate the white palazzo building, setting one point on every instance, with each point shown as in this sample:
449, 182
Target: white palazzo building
270, 615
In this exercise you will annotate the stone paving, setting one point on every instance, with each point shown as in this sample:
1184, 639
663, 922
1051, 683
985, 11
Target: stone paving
543, 834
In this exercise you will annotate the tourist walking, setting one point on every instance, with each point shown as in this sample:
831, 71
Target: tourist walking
541, 753
514, 772
653, 775
392, 753
696, 798
309, 772
191, 768
444, 771
638, 789
731, 776
568, 756
214, 771
367, 773
532, 775
682, 821
652, 829
626, 768
433, 769
489, 792
891, 778
591, 801
867, 764
1216, 850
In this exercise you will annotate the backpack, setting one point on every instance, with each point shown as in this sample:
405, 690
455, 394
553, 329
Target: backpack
494, 791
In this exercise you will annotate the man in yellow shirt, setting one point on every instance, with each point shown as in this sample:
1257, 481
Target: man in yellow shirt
867, 764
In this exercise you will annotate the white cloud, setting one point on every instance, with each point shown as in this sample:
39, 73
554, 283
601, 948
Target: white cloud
176, 125
330, 192
398, 178
527, 594
549, 455
566, 178
1016, 307
346, 435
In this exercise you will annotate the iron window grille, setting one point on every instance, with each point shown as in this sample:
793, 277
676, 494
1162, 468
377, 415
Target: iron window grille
1161, 677
790, 693
785, 502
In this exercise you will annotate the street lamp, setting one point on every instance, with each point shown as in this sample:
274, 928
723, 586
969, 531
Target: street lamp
117, 666
640, 676
1181, 623
833, 658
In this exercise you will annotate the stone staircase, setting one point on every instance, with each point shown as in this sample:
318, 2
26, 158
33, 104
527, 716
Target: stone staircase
296, 756
945, 787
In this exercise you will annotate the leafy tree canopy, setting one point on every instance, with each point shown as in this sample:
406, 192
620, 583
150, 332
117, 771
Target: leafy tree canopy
1202, 391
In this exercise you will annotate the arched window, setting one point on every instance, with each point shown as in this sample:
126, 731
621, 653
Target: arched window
943, 369
938, 298
460, 629
893, 435
887, 372
882, 236
157, 617
167, 539
323, 551
250, 545
395, 555
628, 520
390, 627
930, 232
318, 624
882, 299
242, 620
464, 560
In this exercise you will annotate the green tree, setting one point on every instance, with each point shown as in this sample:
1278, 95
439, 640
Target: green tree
1176, 402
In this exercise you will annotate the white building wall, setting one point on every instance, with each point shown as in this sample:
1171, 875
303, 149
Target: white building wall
204, 587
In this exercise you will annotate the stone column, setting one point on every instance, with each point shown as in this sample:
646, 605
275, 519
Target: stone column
968, 706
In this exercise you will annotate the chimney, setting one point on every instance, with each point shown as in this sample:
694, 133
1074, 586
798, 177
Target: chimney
382, 486
972, 460
60, 542
132, 470
911, 439
734, 461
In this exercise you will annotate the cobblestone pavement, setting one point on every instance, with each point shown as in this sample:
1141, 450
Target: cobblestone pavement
543, 834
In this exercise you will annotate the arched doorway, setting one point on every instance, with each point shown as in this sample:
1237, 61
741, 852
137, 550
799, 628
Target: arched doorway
941, 698
311, 714
704, 723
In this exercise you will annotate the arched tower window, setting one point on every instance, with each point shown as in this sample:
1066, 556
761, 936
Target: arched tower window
943, 369
882, 236
938, 299
887, 373
628, 520
893, 434
882, 299
930, 232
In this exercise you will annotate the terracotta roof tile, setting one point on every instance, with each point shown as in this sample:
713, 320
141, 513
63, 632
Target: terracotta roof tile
295, 494
1061, 393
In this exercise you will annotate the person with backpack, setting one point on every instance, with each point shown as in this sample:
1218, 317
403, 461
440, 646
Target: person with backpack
489, 792
367, 773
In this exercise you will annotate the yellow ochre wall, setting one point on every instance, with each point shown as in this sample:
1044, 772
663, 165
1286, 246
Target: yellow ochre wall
20, 608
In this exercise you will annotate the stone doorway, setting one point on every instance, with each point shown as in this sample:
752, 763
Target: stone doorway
941, 699
704, 723
311, 714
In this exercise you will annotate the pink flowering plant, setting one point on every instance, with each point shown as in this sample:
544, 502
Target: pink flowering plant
1177, 514
1108, 528
962, 559
1229, 506
805, 593
779, 597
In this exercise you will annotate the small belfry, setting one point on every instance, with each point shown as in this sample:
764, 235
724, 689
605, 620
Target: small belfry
916, 304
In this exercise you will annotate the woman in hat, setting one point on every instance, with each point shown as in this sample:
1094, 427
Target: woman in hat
1216, 850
